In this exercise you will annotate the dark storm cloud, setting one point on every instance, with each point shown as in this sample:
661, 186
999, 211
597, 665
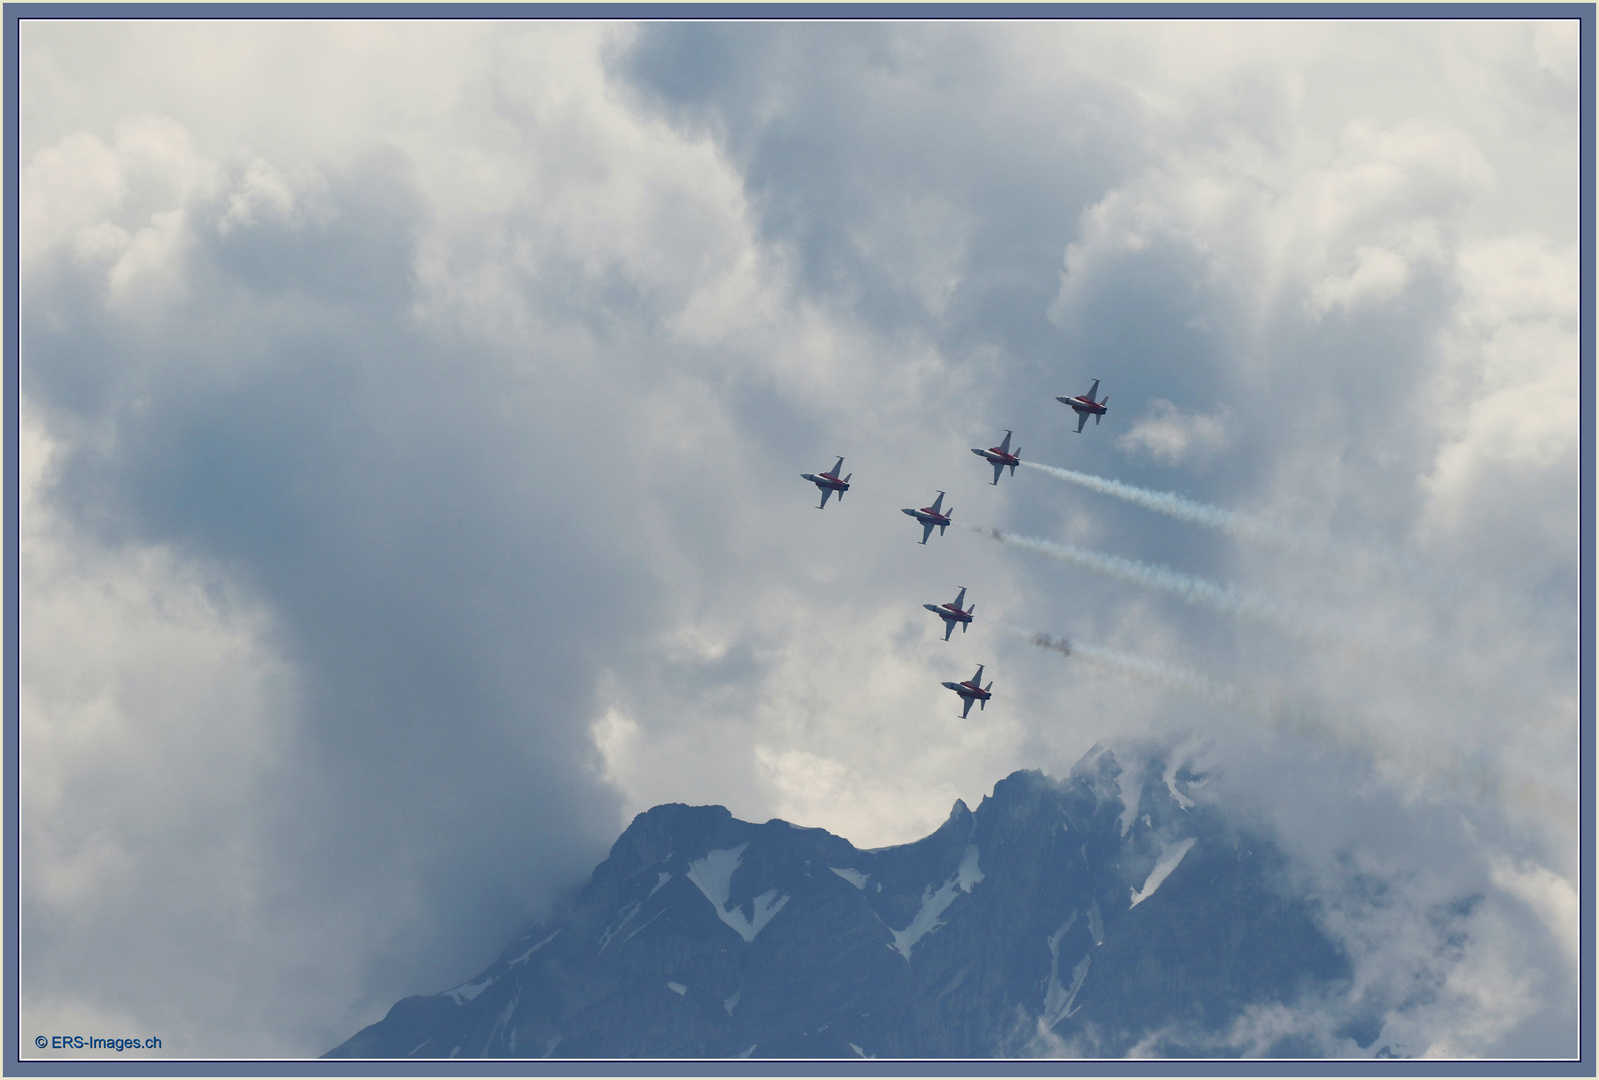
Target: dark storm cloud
881, 153
445, 575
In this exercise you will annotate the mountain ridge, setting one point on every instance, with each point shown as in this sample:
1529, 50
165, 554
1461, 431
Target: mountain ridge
1069, 916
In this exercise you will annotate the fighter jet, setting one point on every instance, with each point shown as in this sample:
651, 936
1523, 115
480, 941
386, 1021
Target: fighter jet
972, 690
930, 516
1000, 457
829, 482
1085, 406
951, 613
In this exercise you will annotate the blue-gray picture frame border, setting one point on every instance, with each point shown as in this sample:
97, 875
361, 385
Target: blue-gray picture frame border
14, 1065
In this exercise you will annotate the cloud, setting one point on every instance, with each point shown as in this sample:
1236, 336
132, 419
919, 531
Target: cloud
1169, 437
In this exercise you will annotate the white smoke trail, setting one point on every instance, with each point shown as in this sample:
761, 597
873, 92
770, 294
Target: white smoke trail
1168, 503
1273, 710
1239, 526
1223, 598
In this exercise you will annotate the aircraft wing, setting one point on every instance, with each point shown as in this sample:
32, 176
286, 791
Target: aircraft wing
826, 491
949, 628
968, 709
961, 597
1082, 418
927, 530
998, 470
1092, 390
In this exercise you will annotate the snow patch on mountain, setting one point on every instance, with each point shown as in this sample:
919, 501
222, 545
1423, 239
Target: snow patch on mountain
762, 908
1170, 856
1171, 785
1096, 924
501, 1020
926, 920
633, 933
714, 873
969, 874
854, 877
1131, 785
1079, 973
662, 878
714, 876
676, 987
467, 991
617, 927
1056, 998
523, 958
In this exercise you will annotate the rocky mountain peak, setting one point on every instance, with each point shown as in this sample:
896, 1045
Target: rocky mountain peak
1088, 914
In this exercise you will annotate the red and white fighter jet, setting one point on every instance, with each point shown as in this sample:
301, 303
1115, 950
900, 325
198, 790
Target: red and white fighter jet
1001, 457
929, 516
829, 482
951, 613
972, 690
1085, 406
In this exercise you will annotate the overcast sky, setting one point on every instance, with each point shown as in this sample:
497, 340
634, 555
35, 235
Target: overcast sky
412, 422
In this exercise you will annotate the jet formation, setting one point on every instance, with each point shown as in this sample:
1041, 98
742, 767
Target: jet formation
951, 613
1001, 457
972, 690
930, 517
829, 482
1085, 406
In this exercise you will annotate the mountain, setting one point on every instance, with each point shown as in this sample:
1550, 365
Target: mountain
1106, 914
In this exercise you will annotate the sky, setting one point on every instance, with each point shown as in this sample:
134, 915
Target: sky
412, 416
